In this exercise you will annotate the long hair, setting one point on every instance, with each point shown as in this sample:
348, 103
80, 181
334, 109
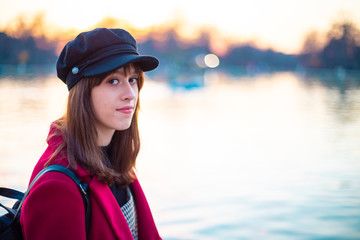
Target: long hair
77, 127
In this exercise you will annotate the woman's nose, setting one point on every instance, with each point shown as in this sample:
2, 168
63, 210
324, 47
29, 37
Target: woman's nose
128, 92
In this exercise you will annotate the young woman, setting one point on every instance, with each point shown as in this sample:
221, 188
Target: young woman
98, 139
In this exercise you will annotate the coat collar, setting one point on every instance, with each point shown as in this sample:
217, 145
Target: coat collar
102, 196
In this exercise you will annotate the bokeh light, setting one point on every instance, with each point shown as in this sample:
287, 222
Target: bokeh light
211, 60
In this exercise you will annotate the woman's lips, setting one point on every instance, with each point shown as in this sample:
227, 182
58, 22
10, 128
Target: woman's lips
126, 110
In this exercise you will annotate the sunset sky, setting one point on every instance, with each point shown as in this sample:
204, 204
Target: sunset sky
279, 24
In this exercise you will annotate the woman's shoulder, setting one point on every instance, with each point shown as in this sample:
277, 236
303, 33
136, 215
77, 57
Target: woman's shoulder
54, 201
53, 179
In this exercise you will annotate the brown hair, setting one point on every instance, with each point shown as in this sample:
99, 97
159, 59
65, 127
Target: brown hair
78, 128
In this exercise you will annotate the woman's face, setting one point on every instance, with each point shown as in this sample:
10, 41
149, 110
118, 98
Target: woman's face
114, 101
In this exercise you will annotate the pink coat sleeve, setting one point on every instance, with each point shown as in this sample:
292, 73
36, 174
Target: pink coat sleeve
54, 209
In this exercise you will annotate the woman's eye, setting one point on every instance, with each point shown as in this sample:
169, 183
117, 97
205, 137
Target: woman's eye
133, 80
114, 81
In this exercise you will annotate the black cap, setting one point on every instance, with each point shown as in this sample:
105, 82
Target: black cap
97, 52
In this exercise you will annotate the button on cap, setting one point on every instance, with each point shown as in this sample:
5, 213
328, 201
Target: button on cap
75, 70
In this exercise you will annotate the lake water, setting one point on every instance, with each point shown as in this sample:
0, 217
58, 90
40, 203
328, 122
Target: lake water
269, 156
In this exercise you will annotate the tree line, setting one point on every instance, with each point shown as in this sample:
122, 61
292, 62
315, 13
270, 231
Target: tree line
341, 49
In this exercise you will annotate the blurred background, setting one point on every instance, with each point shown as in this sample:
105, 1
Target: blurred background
250, 126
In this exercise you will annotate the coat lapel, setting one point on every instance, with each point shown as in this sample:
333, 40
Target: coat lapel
104, 198
146, 224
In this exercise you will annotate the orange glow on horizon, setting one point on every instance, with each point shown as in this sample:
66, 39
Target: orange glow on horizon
280, 25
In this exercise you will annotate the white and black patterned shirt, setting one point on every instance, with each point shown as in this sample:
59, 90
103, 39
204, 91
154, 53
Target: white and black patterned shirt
129, 211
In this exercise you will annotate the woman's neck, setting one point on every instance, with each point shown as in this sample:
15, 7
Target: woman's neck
104, 137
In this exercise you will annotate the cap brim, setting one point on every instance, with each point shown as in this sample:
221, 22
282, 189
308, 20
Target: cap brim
146, 63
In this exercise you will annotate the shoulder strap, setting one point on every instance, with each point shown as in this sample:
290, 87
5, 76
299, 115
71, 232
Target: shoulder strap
59, 168
11, 193
82, 186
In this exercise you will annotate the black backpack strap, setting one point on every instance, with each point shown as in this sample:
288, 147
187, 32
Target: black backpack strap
9, 210
11, 193
82, 186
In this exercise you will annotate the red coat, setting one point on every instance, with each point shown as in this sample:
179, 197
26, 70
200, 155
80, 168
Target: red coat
54, 209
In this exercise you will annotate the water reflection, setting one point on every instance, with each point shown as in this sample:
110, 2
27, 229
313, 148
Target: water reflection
241, 157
